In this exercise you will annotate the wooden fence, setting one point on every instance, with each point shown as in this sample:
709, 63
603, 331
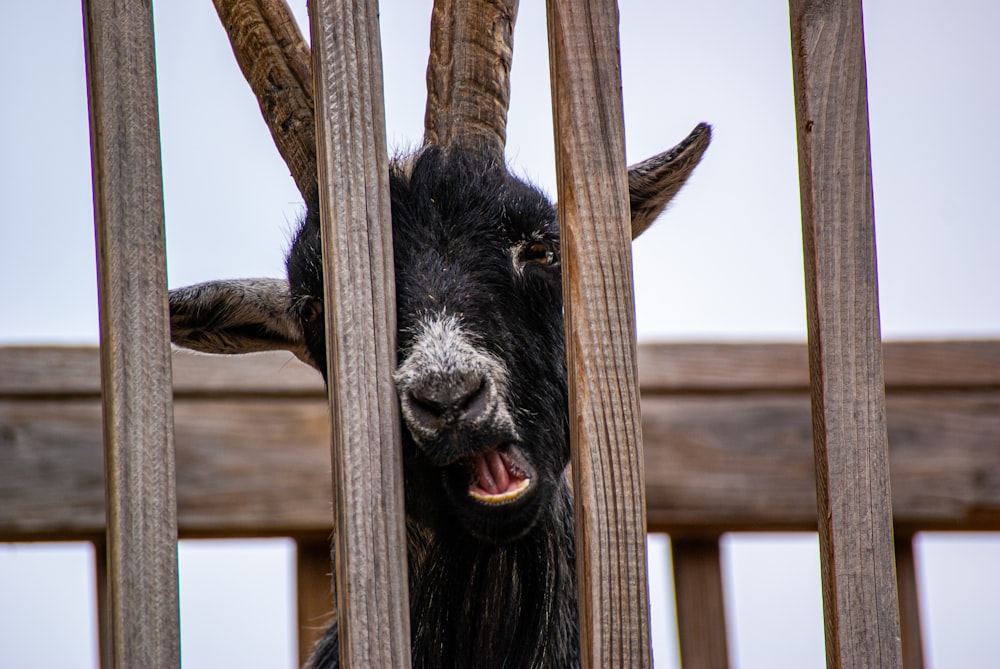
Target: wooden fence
723, 455
727, 442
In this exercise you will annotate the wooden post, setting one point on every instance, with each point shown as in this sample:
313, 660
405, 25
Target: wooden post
909, 604
600, 334
369, 542
701, 609
135, 341
313, 593
845, 348
103, 614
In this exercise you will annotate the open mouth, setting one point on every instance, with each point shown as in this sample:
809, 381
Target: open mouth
498, 477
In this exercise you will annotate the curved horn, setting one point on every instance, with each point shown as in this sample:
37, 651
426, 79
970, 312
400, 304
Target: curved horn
654, 182
275, 61
468, 74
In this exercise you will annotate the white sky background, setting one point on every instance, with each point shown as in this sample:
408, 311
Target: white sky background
725, 263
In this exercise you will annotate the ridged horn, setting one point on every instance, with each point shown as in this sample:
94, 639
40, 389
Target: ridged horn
654, 182
468, 75
275, 60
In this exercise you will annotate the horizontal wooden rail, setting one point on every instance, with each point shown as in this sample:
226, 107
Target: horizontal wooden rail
664, 369
726, 428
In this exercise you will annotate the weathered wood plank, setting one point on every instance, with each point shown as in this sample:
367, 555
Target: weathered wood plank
722, 368
605, 426
746, 463
258, 465
135, 344
766, 367
704, 368
369, 534
845, 348
244, 468
75, 372
701, 610
261, 467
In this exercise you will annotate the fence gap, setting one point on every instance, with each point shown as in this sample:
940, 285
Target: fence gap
845, 347
369, 538
701, 610
135, 341
600, 334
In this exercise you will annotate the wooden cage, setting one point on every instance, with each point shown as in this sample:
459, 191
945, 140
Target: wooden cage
735, 419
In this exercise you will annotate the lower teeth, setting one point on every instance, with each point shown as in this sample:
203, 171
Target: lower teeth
501, 497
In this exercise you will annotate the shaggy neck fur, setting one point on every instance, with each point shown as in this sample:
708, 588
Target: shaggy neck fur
475, 605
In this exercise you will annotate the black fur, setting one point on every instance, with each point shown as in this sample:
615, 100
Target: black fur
490, 585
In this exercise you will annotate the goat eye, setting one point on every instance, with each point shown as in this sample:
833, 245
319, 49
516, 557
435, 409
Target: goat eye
540, 253
310, 309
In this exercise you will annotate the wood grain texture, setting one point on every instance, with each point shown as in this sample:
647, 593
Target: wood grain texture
275, 61
845, 349
76, 372
716, 461
245, 468
701, 610
135, 342
260, 467
314, 593
765, 367
369, 535
600, 334
909, 604
746, 463
664, 369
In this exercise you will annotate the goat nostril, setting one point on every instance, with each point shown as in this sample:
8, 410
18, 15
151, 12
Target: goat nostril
476, 402
426, 404
462, 401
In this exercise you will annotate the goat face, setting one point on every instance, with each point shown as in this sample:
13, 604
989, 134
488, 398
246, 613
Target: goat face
481, 376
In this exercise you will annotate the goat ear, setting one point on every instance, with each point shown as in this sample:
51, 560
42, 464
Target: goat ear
653, 183
240, 316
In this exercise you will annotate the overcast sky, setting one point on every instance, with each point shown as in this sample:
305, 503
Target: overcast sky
724, 263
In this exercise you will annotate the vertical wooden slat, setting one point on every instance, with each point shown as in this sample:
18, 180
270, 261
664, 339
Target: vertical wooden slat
701, 610
135, 344
909, 604
314, 593
600, 334
845, 350
369, 541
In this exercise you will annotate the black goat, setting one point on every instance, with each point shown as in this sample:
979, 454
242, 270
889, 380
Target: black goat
482, 388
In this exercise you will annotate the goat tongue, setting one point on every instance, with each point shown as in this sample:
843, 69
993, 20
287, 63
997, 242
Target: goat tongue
491, 472
494, 479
